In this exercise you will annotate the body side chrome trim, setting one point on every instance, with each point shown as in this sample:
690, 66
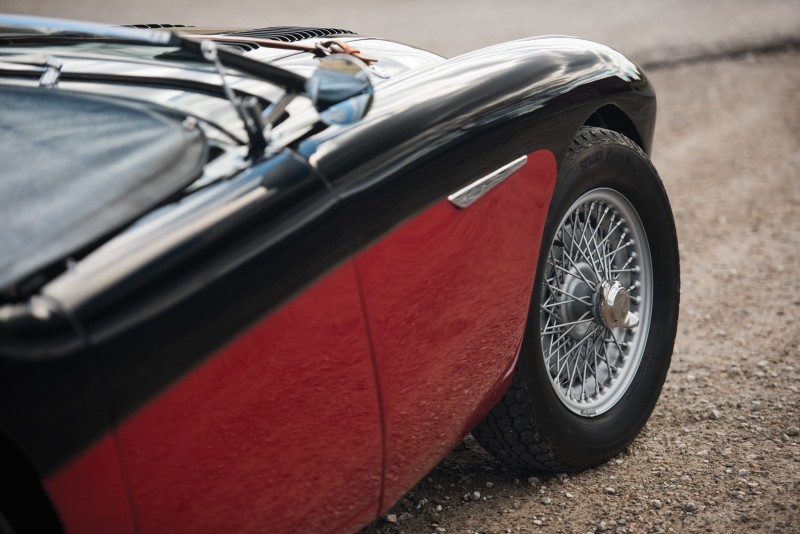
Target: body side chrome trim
464, 198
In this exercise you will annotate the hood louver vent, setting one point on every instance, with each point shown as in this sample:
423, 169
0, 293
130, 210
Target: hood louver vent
155, 26
290, 34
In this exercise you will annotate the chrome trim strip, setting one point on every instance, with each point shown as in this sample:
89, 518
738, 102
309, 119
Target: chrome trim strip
464, 198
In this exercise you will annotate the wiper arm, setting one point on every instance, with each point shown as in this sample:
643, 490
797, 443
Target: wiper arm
287, 80
247, 108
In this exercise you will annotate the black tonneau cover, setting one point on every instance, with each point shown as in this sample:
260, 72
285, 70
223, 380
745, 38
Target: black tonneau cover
74, 168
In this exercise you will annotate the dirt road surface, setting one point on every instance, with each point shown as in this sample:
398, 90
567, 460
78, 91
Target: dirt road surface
721, 452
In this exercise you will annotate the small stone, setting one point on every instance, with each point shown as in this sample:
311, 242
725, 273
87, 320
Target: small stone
476, 496
537, 522
762, 363
756, 405
691, 377
490, 484
792, 431
438, 508
391, 518
568, 495
606, 525
656, 504
441, 529
533, 481
714, 414
546, 500
610, 491
690, 506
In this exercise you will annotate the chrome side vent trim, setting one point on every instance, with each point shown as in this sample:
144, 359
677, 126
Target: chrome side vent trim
464, 198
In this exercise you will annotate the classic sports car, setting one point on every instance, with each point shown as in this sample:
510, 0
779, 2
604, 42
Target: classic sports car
264, 280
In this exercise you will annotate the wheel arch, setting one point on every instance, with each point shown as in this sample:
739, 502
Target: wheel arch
613, 118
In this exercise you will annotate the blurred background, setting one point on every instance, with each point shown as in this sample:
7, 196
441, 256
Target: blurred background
647, 31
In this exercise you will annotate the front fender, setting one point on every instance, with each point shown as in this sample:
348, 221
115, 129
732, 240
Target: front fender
436, 129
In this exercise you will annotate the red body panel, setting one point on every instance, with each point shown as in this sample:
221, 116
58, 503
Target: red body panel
89, 494
447, 297
281, 430
278, 432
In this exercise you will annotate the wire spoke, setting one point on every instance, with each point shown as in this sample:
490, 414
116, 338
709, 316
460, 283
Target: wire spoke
585, 358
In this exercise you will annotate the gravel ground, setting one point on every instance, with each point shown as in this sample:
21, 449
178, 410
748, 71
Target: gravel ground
722, 450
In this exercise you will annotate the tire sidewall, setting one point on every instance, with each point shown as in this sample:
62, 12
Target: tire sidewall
612, 161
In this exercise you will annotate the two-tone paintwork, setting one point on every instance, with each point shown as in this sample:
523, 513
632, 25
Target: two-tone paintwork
323, 323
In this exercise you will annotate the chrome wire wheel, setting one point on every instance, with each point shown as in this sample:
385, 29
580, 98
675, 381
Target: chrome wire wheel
596, 302
603, 317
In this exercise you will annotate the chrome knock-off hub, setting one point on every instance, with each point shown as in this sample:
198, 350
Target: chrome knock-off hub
613, 306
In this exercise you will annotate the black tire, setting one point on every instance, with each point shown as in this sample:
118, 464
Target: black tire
531, 427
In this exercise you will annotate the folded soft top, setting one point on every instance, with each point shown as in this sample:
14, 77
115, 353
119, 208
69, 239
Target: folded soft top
83, 167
